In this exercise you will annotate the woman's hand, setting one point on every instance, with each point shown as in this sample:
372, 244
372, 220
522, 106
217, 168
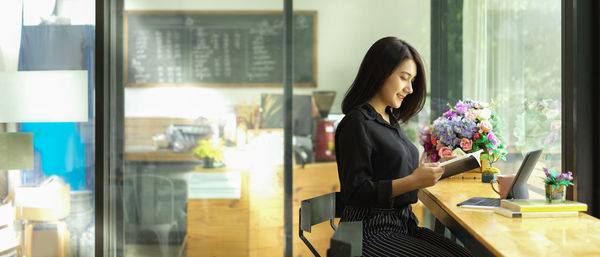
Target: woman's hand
427, 174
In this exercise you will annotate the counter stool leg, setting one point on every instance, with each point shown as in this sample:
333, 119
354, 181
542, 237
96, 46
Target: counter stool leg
61, 234
28, 238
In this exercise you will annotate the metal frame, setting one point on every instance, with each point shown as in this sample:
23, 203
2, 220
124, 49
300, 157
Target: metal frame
444, 220
580, 113
288, 74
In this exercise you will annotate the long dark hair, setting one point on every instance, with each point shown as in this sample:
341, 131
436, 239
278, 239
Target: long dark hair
379, 63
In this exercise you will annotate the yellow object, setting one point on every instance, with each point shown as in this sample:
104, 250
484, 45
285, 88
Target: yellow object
491, 170
540, 205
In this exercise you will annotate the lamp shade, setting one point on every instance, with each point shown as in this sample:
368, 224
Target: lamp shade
44, 96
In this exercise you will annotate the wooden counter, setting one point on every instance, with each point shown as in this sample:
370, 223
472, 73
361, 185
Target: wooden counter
502, 236
166, 155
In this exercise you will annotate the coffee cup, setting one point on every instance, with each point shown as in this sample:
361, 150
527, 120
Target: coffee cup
504, 183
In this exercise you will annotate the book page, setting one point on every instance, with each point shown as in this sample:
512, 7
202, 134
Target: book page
461, 164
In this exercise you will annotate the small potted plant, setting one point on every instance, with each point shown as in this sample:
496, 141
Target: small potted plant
556, 184
488, 174
210, 151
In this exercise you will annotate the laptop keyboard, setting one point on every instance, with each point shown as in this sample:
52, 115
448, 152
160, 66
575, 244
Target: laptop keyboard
482, 201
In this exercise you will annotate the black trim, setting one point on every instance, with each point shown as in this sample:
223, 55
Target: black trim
446, 54
100, 89
117, 151
443, 218
580, 111
288, 75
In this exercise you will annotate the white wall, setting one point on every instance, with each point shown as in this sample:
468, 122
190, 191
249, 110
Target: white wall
346, 29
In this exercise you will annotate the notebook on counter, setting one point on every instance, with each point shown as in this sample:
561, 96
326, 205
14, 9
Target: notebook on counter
540, 205
553, 214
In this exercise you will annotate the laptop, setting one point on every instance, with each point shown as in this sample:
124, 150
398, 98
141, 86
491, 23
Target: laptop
518, 188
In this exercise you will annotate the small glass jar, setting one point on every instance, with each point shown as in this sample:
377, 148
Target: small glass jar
556, 194
487, 177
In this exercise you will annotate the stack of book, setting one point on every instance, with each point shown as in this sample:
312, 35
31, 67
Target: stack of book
521, 208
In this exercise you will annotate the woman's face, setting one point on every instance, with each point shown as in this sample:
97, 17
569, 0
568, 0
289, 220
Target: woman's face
399, 84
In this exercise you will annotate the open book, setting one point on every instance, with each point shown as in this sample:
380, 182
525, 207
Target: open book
461, 164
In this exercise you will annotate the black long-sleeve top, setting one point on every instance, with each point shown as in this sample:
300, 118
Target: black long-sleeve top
370, 153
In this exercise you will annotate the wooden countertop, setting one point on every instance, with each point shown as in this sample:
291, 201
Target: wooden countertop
503, 236
147, 154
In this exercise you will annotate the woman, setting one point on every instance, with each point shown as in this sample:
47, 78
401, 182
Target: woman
377, 164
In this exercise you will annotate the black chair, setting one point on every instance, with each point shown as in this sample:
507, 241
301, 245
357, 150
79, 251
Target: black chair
347, 240
317, 210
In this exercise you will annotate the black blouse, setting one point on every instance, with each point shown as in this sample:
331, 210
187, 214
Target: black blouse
370, 153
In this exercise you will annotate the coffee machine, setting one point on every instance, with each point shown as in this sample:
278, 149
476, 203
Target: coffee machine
324, 130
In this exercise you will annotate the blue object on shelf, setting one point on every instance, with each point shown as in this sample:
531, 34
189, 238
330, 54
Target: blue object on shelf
64, 149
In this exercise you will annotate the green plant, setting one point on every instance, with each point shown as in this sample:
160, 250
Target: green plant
211, 149
557, 179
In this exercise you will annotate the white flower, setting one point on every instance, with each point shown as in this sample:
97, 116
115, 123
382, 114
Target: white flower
483, 114
458, 152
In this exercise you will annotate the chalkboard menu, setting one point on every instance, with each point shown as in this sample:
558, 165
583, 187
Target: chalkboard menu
235, 49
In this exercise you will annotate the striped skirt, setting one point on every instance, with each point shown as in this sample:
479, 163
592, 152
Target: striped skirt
394, 232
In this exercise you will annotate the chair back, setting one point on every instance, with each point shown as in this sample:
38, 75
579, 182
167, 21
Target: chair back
316, 210
149, 200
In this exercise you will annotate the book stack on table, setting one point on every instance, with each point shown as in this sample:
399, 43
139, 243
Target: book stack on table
522, 208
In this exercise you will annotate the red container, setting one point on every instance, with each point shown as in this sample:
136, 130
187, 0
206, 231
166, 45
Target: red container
324, 141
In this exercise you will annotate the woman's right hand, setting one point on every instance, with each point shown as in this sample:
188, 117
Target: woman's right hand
427, 174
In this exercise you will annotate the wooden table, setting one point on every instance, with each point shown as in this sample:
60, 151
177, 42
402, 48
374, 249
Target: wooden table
487, 233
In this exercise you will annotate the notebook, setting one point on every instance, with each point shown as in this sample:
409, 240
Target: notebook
521, 178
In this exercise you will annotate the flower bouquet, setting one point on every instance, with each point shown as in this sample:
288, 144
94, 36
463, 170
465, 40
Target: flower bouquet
464, 128
556, 184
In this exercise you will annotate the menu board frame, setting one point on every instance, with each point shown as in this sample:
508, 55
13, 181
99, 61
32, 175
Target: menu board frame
129, 83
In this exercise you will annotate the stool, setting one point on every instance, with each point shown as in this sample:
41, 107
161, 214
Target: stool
32, 213
61, 236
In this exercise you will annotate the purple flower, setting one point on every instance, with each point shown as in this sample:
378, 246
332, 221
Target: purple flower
568, 176
449, 114
547, 172
461, 108
492, 138
427, 146
434, 156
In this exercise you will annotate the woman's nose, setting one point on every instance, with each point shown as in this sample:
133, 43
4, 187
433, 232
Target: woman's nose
408, 89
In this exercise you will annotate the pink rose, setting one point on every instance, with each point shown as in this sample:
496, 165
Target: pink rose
466, 144
470, 116
476, 136
426, 130
438, 147
486, 126
445, 152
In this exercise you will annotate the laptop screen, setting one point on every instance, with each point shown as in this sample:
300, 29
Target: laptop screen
518, 188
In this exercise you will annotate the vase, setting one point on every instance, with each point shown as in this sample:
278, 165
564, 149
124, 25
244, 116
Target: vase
208, 162
556, 194
487, 177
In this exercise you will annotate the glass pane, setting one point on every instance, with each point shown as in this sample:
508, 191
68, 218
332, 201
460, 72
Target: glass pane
47, 127
512, 56
198, 86
345, 33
